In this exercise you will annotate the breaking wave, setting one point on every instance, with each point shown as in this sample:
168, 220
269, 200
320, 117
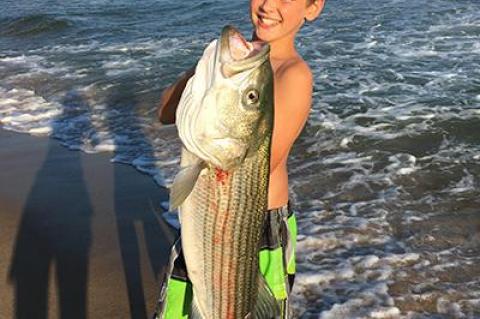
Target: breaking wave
32, 25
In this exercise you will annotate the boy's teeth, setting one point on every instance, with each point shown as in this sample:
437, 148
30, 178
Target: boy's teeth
268, 21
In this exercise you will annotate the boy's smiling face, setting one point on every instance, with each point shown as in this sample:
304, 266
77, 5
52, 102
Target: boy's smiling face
276, 19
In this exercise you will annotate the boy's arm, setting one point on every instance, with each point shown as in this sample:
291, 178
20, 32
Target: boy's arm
171, 96
293, 97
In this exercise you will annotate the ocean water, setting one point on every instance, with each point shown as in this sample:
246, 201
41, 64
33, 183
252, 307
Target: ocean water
385, 176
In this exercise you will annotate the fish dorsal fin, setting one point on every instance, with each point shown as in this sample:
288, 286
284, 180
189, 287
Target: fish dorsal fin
266, 307
184, 182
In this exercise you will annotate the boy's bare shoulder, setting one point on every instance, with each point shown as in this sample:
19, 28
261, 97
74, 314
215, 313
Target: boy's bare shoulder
294, 69
294, 85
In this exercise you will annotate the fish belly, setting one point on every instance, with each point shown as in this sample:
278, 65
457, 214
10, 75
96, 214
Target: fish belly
221, 226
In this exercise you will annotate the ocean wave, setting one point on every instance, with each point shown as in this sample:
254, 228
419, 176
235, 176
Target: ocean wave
32, 25
385, 176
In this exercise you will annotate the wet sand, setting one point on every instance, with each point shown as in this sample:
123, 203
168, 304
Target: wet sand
80, 237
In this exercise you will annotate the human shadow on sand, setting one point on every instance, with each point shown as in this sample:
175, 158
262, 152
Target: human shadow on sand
54, 231
137, 225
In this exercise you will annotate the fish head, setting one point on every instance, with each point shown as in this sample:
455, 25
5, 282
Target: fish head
226, 109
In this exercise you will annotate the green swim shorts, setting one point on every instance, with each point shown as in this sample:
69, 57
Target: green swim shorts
276, 263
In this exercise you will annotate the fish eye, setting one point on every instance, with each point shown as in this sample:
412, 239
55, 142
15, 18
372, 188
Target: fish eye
251, 97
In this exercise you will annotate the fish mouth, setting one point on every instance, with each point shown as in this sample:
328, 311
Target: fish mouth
237, 54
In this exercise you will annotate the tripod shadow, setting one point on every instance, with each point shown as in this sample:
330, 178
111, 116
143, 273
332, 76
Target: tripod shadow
54, 231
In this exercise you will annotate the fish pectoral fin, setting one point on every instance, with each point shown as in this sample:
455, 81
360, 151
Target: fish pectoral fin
266, 307
184, 182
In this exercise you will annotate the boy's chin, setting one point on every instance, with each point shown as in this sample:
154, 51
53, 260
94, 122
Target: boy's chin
262, 35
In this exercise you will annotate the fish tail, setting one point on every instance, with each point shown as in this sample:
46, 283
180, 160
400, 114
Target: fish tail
267, 306
195, 312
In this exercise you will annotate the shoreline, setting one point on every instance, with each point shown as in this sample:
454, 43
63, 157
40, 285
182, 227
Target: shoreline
79, 236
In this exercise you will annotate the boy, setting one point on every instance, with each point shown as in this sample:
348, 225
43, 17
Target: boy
276, 22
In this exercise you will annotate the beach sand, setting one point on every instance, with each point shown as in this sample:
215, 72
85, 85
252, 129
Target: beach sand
80, 237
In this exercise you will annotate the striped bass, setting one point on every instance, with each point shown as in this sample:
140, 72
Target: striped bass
225, 122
